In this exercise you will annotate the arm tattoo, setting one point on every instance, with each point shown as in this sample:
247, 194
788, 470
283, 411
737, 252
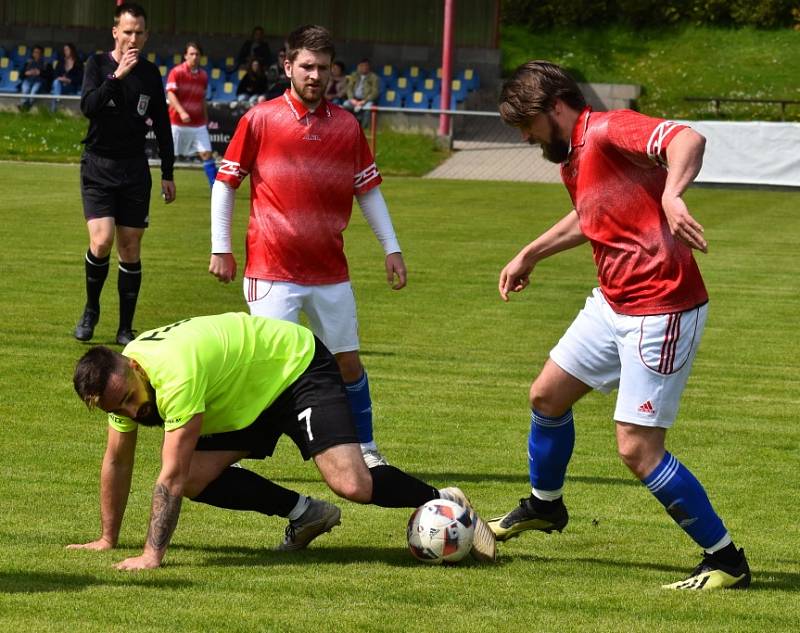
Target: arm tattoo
163, 517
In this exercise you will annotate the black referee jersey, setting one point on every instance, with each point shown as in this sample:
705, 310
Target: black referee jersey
118, 108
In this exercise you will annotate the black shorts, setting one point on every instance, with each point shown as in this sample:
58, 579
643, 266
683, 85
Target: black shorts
116, 187
313, 411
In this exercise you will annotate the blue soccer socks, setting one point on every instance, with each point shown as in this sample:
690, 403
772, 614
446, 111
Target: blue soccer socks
361, 407
210, 167
686, 502
550, 445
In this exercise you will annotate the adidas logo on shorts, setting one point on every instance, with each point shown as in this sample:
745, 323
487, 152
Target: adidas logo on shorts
646, 407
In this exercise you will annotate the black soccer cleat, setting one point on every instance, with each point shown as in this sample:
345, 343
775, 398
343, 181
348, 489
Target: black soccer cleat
712, 574
524, 517
84, 331
125, 336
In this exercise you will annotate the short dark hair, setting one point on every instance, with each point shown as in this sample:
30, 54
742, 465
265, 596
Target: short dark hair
192, 45
37, 47
93, 371
131, 8
311, 37
533, 88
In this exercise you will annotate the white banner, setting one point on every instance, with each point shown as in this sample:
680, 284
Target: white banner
757, 152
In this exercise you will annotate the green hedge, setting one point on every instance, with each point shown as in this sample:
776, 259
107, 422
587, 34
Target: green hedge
541, 14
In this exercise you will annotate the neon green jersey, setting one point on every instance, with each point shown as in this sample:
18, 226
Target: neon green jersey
229, 367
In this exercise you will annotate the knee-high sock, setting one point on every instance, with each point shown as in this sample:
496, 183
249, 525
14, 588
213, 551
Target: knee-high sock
96, 269
242, 489
210, 167
128, 283
550, 445
686, 502
392, 488
361, 406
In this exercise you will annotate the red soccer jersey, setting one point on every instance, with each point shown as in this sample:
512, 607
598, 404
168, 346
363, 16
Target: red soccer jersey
190, 88
615, 175
304, 169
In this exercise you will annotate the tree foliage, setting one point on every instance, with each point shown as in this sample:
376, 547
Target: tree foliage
540, 14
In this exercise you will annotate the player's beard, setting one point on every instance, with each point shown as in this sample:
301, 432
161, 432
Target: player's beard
148, 414
311, 96
557, 150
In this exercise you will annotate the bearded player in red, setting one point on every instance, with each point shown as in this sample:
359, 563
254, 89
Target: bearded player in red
306, 159
639, 331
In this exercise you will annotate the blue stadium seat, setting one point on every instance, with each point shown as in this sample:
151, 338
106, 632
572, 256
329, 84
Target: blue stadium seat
458, 90
403, 87
469, 77
225, 89
388, 74
390, 98
9, 80
416, 75
19, 55
431, 84
154, 58
417, 100
436, 102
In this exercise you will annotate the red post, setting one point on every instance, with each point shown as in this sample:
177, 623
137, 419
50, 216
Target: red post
373, 128
447, 59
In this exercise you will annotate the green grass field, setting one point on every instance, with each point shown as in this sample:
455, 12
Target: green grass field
673, 63
450, 366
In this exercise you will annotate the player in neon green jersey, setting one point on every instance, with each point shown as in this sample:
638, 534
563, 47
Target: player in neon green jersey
225, 388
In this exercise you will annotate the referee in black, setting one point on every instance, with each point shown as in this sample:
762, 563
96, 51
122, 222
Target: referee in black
121, 91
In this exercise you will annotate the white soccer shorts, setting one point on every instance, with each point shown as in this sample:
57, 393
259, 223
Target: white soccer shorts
189, 140
648, 358
330, 308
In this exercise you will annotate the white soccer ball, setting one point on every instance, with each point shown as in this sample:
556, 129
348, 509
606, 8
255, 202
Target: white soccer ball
440, 531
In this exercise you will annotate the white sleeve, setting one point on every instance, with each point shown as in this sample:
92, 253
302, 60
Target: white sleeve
374, 208
222, 199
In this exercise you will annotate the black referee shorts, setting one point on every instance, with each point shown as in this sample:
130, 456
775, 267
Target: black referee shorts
117, 188
313, 411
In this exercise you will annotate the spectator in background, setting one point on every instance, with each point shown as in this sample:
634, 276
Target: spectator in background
35, 76
363, 89
277, 80
254, 48
68, 74
187, 84
337, 85
253, 84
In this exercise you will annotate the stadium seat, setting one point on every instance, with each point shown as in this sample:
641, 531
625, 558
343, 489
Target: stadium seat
403, 87
416, 75
154, 58
5, 63
470, 78
417, 100
177, 58
215, 74
458, 90
390, 98
388, 74
436, 102
9, 80
19, 55
225, 90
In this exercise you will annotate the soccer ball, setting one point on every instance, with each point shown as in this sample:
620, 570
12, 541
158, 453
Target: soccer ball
440, 531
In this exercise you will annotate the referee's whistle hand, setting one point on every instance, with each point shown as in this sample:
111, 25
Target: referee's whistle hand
168, 190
